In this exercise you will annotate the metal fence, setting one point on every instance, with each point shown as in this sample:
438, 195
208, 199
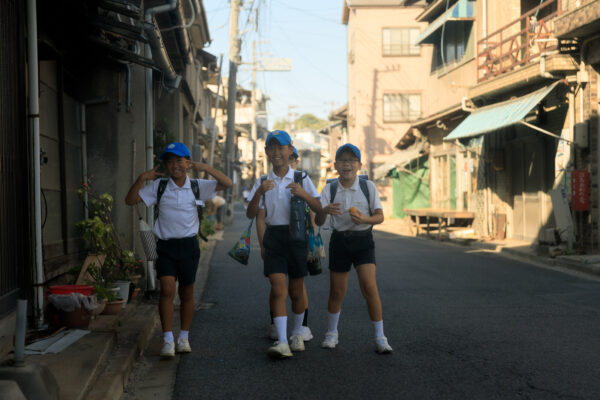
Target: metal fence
15, 232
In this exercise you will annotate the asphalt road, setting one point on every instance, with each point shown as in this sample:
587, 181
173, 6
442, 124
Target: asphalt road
463, 324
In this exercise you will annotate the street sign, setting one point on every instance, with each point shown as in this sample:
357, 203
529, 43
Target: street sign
274, 64
579, 190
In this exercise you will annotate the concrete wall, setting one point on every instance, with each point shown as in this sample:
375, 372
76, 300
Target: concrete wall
371, 75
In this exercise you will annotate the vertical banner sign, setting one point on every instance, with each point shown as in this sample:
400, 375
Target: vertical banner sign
579, 190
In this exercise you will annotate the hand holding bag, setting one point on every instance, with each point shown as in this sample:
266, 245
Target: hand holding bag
148, 241
240, 252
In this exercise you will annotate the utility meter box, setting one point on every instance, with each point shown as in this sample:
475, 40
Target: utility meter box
581, 135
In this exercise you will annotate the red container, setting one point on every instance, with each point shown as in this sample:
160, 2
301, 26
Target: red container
85, 290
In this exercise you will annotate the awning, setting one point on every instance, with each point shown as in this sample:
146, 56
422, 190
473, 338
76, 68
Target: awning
463, 10
399, 159
500, 115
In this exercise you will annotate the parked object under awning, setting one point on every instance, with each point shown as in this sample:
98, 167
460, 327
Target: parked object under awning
463, 10
496, 116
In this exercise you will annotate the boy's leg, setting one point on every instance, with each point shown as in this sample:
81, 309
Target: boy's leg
338, 284
277, 300
368, 287
297, 296
186, 309
165, 302
166, 310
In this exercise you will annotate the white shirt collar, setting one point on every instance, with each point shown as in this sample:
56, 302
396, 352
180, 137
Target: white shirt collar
173, 185
353, 187
289, 175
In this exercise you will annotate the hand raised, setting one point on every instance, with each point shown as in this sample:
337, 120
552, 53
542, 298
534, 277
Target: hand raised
267, 185
296, 189
357, 217
196, 166
151, 174
333, 209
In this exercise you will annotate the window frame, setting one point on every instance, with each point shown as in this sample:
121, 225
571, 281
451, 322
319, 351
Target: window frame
402, 93
408, 28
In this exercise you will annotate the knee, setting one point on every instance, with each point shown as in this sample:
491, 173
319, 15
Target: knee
369, 289
186, 295
337, 292
167, 292
278, 292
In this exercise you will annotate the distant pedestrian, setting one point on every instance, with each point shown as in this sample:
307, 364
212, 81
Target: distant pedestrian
176, 228
283, 255
354, 206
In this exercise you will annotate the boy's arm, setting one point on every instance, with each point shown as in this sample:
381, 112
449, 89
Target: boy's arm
223, 181
133, 196
261, 227
376, 218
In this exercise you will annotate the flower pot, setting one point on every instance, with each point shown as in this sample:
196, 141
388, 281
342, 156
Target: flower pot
135, 279
113, 307
135, 293
98, 310
123, 290
79, 318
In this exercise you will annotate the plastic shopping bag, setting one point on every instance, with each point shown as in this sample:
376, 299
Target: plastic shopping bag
320, 248
148, 241
241, 250
314, 260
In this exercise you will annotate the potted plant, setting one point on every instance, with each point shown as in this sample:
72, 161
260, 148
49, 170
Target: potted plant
99, 232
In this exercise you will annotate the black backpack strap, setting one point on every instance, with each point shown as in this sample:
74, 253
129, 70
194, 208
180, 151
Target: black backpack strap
333, 185
196, 191
365, 189
162, 185
262, 179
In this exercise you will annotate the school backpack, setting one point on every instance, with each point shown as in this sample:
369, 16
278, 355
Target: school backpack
298, 210
362, 182
162, 185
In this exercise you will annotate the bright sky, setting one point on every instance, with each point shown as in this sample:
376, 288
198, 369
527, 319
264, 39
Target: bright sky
309, 32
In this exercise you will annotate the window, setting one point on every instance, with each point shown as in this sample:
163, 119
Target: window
399, 107
457, 44
399, 42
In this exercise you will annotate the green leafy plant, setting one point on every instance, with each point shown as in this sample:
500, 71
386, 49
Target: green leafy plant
99, 232
207, 227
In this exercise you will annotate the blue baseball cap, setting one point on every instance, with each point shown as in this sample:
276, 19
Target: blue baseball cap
282, 137
295, 152
350, 147
179, 149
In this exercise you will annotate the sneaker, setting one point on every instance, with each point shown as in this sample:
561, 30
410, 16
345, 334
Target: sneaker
273, 332
306, 334
183, 346
168, 350
331, 340
382, 346
279, 350
297, 343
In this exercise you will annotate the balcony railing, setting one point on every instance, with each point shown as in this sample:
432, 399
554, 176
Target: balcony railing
519, 42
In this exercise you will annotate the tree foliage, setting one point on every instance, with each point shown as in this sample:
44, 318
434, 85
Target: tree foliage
305, 121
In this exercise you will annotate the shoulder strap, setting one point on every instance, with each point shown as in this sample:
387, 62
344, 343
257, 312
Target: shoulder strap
262, 179
162, 185
365, 189
196, 191
333, 185
299, 176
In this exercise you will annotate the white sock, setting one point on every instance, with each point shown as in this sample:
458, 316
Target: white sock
168, 337
332, 321
297, 320
281, 325
184, 334
378, 327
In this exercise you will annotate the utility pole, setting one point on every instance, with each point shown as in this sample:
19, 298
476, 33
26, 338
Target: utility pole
253, 102
234, 59
290, 115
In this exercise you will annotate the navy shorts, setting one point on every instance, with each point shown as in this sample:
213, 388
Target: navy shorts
350, 247
178, 258
283, 255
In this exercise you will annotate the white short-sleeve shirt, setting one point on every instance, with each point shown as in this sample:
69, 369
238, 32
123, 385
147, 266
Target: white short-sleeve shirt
278, 199
350, 197
177, 214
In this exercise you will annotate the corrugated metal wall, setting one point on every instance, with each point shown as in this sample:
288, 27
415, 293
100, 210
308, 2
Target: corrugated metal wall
15, 238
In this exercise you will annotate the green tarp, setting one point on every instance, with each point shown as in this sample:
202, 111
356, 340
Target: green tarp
410, 189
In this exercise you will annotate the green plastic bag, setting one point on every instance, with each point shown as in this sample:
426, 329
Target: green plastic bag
241, 250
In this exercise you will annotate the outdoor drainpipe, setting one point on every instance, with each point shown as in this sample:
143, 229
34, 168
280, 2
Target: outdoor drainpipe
160, 53
34, 118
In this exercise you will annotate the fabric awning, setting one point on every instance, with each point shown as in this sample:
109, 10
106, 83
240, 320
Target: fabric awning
463, 10
398, 159
500, 115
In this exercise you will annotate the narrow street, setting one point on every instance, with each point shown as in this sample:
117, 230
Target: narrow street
463, 325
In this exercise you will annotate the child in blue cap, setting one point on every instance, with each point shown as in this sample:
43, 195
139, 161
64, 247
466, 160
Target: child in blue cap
354, 206
176, 228
283, 255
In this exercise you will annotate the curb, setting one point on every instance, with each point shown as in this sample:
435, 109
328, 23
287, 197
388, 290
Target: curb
131, 342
